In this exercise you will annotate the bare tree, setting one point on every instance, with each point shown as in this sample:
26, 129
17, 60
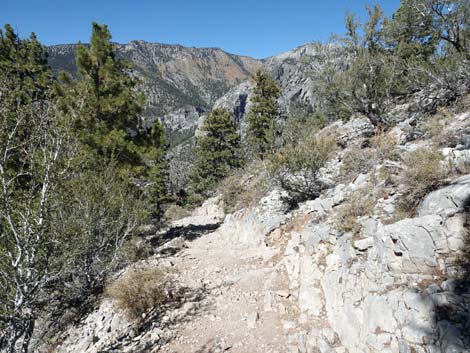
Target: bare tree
31, 146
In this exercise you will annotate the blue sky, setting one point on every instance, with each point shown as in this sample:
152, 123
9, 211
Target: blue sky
257, 28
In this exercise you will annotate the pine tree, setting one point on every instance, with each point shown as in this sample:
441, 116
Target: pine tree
263, 114
25, 81
217, 151
410, 31
109, 122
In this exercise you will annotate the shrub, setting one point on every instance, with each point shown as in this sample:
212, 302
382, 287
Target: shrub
385, 146
245, 188
139, 290
462, 166
300, 128
436, 128
423, 171
360, 203
356, 161
296, 167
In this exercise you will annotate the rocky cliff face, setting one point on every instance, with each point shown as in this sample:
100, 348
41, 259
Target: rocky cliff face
181, 83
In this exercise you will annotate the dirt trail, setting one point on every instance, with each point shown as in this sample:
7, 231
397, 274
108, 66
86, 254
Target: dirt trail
247, 306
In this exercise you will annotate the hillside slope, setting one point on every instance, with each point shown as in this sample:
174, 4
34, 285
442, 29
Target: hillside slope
314, 279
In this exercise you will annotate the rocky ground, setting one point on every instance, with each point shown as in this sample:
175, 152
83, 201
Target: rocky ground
266, 279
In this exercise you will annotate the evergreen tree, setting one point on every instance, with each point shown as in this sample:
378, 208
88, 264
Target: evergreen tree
410, 32
217, 151
452, 24
109, 123
263, 114
372, 77
25, 81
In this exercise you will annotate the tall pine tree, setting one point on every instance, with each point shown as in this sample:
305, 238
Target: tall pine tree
217, 151
109, 123
263, 114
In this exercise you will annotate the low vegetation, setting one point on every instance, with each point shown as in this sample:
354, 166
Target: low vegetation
245, 187
296, 167
359, 203
139, 290
382, 149
423, 171
356, 161
175, 212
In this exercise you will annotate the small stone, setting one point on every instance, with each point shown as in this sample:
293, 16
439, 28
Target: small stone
252, 319
364, 244
283, 293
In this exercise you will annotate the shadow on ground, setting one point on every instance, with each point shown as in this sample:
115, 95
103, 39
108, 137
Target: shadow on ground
188, 233
212, 347
450, 305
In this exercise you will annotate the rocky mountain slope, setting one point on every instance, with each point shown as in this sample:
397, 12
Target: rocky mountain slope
269, 279
347, 272
183, 84
180, 83
295, 71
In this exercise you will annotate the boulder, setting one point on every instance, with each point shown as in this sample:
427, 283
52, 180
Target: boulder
211, 213
449, 200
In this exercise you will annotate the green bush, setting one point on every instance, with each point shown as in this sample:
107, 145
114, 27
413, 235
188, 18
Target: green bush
300, 128
296, 167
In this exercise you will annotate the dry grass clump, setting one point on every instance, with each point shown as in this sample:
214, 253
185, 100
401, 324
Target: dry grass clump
244, 188
436, 128
385, 146
356, 161
175, 212
397, 216
139, 290
463, 166
423, 172
360, 203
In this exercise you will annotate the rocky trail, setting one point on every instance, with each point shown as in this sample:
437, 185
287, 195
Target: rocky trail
265, 279
236, 297
238, 315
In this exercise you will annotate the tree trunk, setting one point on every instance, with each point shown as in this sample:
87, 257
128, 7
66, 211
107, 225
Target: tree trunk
28, 333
